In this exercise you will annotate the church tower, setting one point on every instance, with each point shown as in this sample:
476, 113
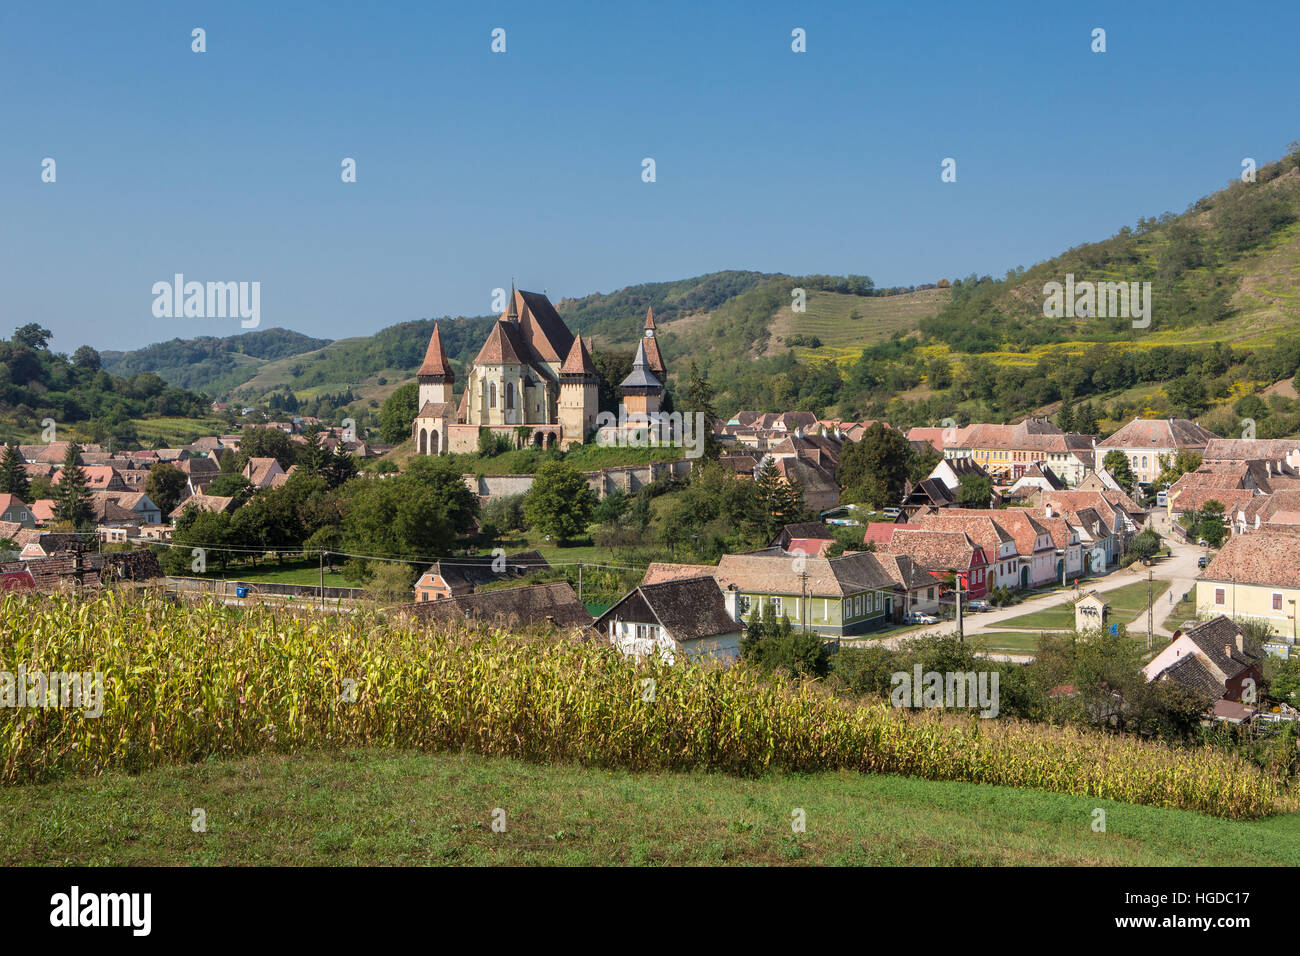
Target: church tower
435, 376
579, 393
642, 392
654, 361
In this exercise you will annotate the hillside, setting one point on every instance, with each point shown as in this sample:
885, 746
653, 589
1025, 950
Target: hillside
396, 808
210, 364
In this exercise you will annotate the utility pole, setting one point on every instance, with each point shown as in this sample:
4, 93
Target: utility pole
961, 633
803, 605
321, 555
579, 582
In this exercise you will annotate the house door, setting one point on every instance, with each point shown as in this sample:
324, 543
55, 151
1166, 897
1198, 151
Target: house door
1024, 577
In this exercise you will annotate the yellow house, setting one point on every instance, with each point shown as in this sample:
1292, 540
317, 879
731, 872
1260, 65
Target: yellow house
1255, 576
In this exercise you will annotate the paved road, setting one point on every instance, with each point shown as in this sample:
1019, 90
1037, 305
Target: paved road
1180, 569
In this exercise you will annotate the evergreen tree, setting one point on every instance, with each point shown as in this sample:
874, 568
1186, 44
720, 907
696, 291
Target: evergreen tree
13, 476
1065, 418
71, 496
1085, 420
699, 398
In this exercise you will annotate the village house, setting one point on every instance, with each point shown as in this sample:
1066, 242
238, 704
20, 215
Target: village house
921, 591
14, 509
554, 604
261, 472
1004, 566
98, 478
834, 597
1214, 659
219, 503
1145, 441
463, 575
1007, 451
676, 618
1037, 561
942, 553
1255, 576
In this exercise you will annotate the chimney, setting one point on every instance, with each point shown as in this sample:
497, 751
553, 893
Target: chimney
1047, 510
1227, 649
1241, 642
731, 599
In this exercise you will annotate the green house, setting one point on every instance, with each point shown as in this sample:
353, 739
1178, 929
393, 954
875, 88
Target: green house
834, 597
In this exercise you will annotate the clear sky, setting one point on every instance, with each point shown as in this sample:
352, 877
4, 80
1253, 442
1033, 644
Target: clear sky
473, 167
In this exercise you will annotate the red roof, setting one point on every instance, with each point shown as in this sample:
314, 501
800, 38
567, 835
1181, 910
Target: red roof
435, 358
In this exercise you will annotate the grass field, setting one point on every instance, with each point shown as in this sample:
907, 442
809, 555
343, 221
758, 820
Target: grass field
383, 807
1125, 604
1007, 642
290, 572
830, 318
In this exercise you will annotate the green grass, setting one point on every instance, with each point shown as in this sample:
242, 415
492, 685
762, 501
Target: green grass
291, 572
830, 317
383, 807
1125, 604
1007, 642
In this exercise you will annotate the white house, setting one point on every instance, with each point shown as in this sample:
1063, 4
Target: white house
684, 617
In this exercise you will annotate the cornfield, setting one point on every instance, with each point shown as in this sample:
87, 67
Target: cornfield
183, 682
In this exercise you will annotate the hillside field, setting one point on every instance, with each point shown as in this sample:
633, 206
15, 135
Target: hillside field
394, 808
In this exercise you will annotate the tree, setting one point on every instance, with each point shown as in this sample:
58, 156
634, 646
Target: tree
32, 336
1183, 462
1209, 524
974, 491
1065, 417
1145, 544
71, 496
559, 503
874, 470
416, 515
165, 486
266, 443
231, 486
777, 496
13, 476
398, 413
771, 642
87, 359
389, 582
1085, 419
699, 399
1116, 463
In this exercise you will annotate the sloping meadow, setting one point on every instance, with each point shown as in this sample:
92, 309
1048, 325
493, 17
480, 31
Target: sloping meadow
185, 681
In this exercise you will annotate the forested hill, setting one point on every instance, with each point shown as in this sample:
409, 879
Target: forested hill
208, 363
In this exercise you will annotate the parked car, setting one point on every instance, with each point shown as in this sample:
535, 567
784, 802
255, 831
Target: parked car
918, 618
977, 605
1203, 562
892, 512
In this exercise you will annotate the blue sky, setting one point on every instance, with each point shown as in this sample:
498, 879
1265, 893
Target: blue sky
474, 167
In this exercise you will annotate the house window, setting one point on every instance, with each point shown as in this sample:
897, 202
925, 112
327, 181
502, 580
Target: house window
646, 632
743, 605
877, 601
1277, 601
492, 395
775, 605
510, 395
1218, 596
929, 594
